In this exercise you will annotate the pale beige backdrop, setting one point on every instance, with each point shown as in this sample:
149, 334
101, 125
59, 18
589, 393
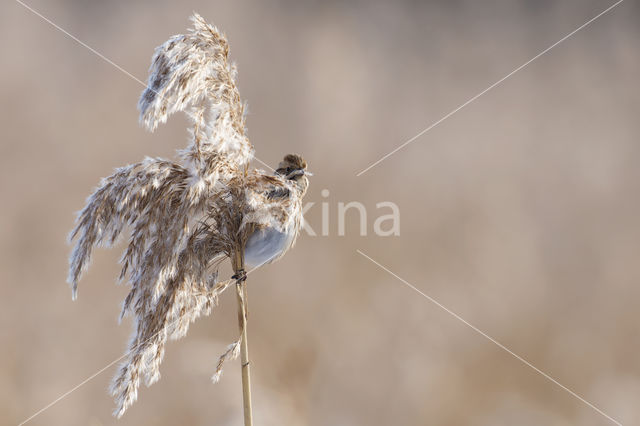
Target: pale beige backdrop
520, 213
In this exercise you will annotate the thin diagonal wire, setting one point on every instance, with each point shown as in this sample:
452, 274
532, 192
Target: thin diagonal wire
77, 40
488, 88
482, 333
264, 164
70, 391
100, 55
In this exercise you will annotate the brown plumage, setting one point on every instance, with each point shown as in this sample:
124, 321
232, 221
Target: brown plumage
186, 218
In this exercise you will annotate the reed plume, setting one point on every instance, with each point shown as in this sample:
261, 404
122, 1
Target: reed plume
184, 218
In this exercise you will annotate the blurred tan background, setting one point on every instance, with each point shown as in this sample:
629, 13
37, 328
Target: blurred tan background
520, 213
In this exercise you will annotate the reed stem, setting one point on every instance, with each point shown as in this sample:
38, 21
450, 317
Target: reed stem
241, 291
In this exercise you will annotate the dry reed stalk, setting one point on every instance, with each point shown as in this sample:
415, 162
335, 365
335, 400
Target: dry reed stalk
241, 292
185, 218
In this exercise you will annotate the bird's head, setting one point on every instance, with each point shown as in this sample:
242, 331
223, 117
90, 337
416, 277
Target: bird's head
293, 167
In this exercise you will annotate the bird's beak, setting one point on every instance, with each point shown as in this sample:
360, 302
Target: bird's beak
307, 173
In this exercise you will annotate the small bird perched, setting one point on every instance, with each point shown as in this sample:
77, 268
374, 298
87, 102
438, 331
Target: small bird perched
186, 218
268, 243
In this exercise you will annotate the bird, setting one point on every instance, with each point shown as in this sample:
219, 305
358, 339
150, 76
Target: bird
184, 218
269, 243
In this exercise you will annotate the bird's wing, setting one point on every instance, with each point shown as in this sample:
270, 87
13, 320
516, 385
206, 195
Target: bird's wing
192, 73
267, 201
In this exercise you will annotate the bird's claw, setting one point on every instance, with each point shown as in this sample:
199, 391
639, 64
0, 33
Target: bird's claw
240, 276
